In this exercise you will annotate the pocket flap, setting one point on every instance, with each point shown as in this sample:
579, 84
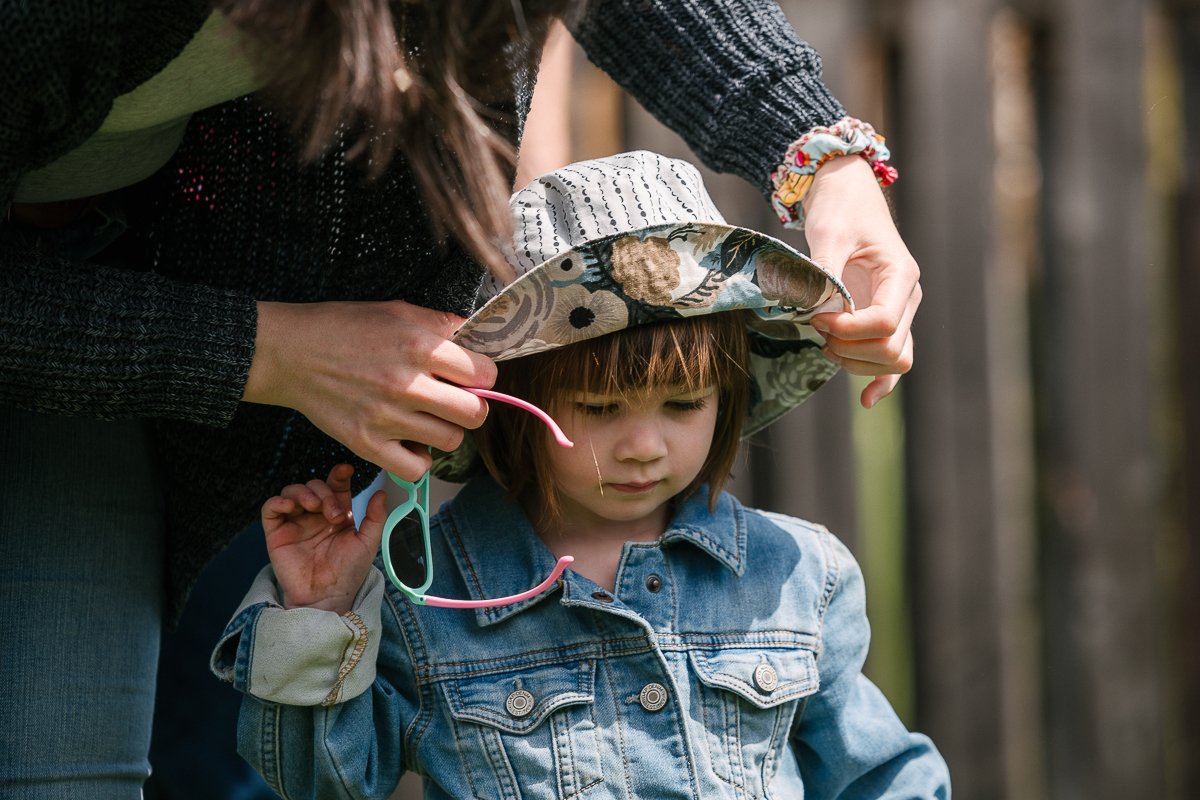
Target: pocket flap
517, 702
765, 678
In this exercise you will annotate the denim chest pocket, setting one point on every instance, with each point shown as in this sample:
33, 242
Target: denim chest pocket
531, 729
747, 700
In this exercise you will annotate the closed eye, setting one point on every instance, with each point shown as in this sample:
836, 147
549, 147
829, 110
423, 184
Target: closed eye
683, 406
596, 409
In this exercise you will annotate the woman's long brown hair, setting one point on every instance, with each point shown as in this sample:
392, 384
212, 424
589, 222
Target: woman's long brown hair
412, 75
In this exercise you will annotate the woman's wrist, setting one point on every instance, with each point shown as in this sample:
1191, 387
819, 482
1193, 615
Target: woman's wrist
262, 385
843, 182
794, 178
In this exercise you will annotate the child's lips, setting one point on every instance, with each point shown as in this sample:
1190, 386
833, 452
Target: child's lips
640, 487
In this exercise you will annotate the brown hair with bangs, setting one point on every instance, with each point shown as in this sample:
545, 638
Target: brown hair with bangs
693, 352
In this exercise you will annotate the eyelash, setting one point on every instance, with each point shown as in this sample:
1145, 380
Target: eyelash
680, 407
595, 410
688, 405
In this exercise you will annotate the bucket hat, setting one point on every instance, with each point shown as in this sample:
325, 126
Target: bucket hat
633, 239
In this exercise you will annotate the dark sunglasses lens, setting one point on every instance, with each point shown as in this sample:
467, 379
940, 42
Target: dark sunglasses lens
406, 549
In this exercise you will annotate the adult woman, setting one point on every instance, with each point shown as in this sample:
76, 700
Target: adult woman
183, 296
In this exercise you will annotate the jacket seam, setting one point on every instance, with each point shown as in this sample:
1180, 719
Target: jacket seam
409, 628
352, 660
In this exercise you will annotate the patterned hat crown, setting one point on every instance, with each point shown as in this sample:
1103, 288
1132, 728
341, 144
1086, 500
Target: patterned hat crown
590, 200
633, 239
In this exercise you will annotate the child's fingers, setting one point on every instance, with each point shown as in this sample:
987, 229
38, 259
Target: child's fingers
339, 483
330, 505
334, 510
373, 518
339, 477
278, 508
303, 496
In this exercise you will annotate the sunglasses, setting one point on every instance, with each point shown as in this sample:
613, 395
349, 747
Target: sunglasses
407, 557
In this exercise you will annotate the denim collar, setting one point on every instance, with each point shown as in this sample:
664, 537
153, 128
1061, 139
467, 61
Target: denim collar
498, 553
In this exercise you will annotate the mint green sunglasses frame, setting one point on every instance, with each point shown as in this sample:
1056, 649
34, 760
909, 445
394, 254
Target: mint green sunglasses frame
417, 502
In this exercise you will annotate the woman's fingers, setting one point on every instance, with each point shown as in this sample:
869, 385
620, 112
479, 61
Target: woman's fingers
437, 408
887, 297
403, 459
372, 376
878, 389
887, 368
865, 250
447, 360
873, 340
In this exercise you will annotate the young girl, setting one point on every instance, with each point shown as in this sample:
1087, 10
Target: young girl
694, 648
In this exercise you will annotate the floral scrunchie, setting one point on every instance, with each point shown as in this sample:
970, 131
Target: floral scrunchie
793, 178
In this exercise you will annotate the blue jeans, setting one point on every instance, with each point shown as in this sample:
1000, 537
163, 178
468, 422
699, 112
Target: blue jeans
81, 597
82, 526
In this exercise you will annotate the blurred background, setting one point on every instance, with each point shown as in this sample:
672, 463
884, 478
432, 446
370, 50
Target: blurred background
1026, 506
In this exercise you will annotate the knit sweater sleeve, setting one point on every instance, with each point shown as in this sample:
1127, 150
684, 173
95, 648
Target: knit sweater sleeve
730, 76
77, 338
94, 341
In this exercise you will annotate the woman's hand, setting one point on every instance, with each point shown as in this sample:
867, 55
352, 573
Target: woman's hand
377, 377
850, 232
319, 557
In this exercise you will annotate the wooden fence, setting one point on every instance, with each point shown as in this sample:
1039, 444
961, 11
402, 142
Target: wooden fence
1027, 506
1021, 507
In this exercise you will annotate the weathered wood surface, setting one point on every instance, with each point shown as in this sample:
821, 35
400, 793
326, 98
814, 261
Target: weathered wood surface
1034, 485
1099, 468
1184, 752
968, 427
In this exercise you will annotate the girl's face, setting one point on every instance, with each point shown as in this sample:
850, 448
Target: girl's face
632, 454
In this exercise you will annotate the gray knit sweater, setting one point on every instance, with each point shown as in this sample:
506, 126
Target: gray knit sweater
169, 334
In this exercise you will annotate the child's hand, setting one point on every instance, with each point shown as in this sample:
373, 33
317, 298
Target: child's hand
320, 559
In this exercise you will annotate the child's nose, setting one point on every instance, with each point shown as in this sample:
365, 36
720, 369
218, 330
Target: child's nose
642, 440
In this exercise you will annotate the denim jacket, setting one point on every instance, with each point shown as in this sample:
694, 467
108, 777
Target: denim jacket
727, 664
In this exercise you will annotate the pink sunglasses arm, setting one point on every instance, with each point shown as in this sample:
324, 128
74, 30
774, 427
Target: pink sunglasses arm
443, 602
488, 394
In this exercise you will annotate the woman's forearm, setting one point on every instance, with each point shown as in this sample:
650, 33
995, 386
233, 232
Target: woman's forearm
732, 77
106, 343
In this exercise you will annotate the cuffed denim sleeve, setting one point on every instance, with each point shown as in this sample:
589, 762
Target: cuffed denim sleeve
848, 740
327, 701
301, 656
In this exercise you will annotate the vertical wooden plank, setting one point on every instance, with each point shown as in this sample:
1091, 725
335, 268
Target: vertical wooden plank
1183, 761
1015, 186
1100, 468
968, 428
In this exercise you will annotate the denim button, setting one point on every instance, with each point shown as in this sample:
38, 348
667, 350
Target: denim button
519, 703
653, 696
766, 678
603, 597
654, 583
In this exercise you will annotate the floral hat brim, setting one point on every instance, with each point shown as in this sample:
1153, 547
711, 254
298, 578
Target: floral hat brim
661, 273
